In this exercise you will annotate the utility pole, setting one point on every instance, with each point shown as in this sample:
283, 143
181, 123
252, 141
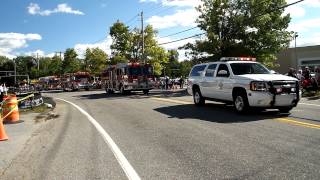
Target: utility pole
142, 33
60, 53
295, 50
38, 62
15, 72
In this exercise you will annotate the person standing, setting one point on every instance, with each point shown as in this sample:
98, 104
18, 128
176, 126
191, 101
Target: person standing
1, 92
167, 82
181, 81
5, 89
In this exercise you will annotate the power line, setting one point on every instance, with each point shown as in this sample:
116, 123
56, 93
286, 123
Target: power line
179, 32
282, 7
182, 39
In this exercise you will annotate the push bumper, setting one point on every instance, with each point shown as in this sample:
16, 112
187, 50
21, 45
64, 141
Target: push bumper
260, 99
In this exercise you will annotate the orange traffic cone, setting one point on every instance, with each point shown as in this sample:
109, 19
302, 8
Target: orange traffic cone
3, 135
10, 111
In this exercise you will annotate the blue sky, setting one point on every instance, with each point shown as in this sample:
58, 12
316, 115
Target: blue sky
44, 27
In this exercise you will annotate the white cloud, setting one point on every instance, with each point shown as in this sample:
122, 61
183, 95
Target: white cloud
295, 11
305, 25
179, 3
184, 18
103, 45
191, 3
9, 42
35, 9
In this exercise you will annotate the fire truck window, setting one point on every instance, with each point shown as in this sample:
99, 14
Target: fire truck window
135, 71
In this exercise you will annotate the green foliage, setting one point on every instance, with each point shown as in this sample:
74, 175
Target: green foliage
241, 28
70, 63
55, 66
95, 60
120, 35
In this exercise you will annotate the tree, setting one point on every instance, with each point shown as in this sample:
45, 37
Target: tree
120, 37
242, 28
55, 66
173, 65
70, 63
24, 64
95, 60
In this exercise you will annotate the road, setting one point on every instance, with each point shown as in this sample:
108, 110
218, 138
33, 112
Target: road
164, 136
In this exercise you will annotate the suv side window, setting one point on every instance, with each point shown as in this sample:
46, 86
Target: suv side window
223, 67
197, 69
211, 70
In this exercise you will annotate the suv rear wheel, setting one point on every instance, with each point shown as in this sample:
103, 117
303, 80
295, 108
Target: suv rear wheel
240, 102
197, 98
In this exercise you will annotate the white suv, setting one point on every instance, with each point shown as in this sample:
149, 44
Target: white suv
243, 82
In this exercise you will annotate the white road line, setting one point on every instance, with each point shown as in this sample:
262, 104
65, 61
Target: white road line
309, 104
126, 166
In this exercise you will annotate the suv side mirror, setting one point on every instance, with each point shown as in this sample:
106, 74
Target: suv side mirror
223, 73
273, 72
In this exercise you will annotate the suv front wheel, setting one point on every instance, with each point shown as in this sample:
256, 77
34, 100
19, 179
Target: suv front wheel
241, 103
198, 98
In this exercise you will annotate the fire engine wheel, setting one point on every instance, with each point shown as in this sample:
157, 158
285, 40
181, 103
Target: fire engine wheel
122, 91
145, 91
109, 91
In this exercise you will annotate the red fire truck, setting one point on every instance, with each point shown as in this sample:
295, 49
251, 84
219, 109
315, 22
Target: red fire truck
76, 81
127, 77
49, 83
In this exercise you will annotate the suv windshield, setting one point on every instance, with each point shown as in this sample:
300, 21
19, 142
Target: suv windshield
248, 68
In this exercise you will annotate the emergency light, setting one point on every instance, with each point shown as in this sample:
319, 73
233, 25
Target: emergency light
237, 59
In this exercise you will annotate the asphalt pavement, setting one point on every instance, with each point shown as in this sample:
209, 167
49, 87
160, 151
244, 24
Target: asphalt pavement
164, 136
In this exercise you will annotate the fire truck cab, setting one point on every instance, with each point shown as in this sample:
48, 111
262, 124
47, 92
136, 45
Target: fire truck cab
76, 81
127, 77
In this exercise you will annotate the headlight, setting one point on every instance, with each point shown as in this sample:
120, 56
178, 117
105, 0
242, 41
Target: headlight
258, 86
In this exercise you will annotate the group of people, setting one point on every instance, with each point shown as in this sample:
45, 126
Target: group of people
305, 74
168, 83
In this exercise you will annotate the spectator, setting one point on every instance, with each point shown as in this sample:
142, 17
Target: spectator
181, 81
292, 73
317, 74
5, 89
1, 92
306, 73
299, 75
167, 82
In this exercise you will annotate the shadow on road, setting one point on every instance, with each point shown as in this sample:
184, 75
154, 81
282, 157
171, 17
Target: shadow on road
133, 95
219, 113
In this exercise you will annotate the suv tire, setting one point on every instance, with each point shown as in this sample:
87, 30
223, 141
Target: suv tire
198, 98
240, 102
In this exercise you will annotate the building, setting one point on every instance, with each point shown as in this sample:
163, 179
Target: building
298, 58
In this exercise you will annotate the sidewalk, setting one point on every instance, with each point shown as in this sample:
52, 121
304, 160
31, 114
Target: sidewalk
19, 135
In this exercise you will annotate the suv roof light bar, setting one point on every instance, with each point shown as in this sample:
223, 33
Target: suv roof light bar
237, 59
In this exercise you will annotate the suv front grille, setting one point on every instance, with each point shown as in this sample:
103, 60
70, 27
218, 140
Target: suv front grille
283, 87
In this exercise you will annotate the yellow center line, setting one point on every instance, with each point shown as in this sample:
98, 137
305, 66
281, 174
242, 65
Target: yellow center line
299, 123
284, 120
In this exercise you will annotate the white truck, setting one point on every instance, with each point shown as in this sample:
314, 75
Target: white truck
243, 82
